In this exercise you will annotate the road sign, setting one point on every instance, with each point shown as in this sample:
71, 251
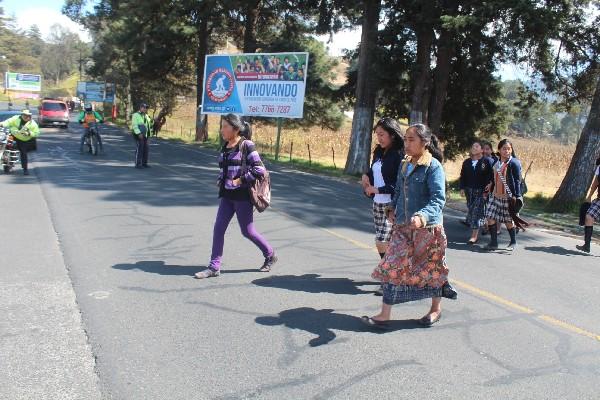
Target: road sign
23, 82
96, 91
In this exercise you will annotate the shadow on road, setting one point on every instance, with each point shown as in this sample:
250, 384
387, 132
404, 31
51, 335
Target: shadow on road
558, 250
313, 283
160, 268
185, 175
323, 322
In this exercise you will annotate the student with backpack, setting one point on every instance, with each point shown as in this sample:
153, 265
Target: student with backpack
240, 166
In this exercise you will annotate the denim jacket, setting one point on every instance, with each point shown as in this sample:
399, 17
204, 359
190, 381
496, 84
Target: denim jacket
421, 193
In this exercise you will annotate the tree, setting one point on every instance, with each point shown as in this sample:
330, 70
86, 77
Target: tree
364, 108
60, 58
579, 175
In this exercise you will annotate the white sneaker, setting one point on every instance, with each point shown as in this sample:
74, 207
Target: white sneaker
207, 273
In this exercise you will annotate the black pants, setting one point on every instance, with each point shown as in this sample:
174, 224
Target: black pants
141, 151
23, 147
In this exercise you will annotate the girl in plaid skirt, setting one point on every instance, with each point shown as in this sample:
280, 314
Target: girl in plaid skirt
593, 213
506, 185
379, 181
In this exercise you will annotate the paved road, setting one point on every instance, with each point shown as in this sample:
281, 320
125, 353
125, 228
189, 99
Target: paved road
525, 325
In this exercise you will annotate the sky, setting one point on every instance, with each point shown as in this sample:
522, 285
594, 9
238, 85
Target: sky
45, 13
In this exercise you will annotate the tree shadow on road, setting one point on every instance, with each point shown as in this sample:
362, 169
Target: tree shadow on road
313, 283
323, 322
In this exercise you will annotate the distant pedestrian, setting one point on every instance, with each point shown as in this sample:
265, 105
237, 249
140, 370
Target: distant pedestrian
141, 128
379, 182
593, 213
234, 196
475, 175
414, 266
505, 189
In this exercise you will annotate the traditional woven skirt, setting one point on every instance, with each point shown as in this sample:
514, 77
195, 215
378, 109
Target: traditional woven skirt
414, 266
497, 209
476, 206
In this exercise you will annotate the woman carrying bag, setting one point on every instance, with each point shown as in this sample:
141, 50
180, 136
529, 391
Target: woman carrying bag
414, 266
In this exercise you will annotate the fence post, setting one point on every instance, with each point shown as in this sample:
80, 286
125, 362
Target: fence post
291, 150
309, 157
279, 122
333, 155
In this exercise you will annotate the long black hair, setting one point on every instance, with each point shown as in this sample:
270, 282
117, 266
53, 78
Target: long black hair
393, 128
244, 129
432, 144
501, 145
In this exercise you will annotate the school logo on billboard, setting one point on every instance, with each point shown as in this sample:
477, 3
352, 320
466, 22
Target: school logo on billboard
219, 85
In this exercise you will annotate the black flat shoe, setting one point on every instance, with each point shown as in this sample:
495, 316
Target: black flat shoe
372, 323
427, 321
472, 242
449, 292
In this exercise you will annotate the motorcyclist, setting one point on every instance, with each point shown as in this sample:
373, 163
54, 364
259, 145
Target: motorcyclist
25, 130
88, 116
141, 128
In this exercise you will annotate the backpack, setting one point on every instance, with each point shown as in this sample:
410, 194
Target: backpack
260, 189
523, 183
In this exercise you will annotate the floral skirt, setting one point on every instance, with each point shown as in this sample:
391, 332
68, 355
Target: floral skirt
414, 266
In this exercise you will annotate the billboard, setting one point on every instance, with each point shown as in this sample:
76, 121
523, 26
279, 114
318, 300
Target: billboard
96, 91
23, 82
255, 84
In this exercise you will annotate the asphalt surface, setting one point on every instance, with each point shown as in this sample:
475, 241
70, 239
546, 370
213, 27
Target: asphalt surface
126, 242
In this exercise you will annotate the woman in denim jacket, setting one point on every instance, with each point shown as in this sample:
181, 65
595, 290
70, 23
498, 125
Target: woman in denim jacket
414, 266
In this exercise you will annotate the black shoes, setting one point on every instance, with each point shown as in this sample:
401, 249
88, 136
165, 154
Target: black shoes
25, 172
449, 292
584, 248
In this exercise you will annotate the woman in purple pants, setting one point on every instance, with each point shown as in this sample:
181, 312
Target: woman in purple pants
233, 193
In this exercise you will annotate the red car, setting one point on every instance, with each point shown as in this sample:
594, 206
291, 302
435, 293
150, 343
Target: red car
53, 112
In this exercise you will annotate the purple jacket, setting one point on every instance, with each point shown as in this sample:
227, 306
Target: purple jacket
230, 164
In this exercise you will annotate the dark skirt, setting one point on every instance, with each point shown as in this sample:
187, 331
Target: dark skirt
476, 205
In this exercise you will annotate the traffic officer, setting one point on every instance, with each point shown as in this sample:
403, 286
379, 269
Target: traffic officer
25, 130
141, 128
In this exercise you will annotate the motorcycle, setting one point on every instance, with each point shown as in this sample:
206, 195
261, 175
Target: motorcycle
9, 153
91, 138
